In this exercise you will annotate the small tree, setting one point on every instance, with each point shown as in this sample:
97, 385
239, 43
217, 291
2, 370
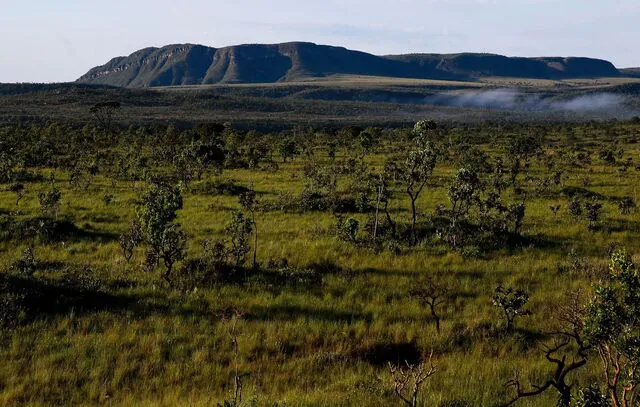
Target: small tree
613, 327
575, 208
512, 302
463, 193
239, 230
567, 353
516, 214
287, 148
520, 150
171, 248
415, 170
26, 265
103, 113
156, 214
50, 201
408, 380
433, 294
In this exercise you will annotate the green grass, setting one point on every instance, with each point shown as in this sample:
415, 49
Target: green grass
155, 345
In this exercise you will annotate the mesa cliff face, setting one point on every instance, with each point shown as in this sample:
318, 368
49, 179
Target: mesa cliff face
188, 64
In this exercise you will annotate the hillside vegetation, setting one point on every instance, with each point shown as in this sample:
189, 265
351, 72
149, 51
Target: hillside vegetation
431, 265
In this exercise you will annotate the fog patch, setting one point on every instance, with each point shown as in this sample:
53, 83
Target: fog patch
511, 99
597, 102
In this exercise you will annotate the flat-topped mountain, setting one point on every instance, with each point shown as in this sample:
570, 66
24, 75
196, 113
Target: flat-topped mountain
189, 64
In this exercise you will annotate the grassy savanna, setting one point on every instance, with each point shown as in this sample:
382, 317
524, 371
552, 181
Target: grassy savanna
333, 101
322, 329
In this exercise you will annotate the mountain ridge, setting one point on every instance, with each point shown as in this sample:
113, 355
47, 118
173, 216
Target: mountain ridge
194, 64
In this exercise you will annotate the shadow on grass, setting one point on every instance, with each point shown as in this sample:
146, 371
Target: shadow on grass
583, 193
620, 225
25, 299
382, 354
49, 230
35, 297
293, 312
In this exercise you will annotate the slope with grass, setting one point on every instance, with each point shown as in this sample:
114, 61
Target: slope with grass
105, 331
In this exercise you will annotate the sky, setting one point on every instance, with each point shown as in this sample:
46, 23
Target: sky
58, 41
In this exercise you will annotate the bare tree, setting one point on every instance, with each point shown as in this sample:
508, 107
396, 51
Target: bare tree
408, 380
567, 353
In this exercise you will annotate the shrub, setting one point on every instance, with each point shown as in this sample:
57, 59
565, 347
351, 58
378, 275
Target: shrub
626, 204
594, 210
11, 308
26, 265
591, 396
130, 239
512, 302
50, 202
156, 214
239, 230
575, 208
612, 325
347, 229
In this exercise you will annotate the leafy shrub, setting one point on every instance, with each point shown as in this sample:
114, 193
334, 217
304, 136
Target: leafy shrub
594, 211
50, 202
11, 308
47, 230
211, 268
130, 239
156, 214
25, 265
107, 199
347, 229
471, 252
239, 230
575, 208
626, 204
512, 302
591, 397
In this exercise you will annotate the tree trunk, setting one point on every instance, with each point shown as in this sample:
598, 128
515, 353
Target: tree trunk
388, 216
255, 241
436, 317
375, 224
413, 221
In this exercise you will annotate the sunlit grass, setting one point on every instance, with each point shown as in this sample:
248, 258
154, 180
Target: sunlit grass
300, 346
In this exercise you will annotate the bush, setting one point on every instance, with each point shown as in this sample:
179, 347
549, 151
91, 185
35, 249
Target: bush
512, 302
575, 208
26, 265
239, 230
347, 230
594, 211
50, 202
626, 204
11, 309
209, 269
220, 187
592, 397
47, 230
471, 252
